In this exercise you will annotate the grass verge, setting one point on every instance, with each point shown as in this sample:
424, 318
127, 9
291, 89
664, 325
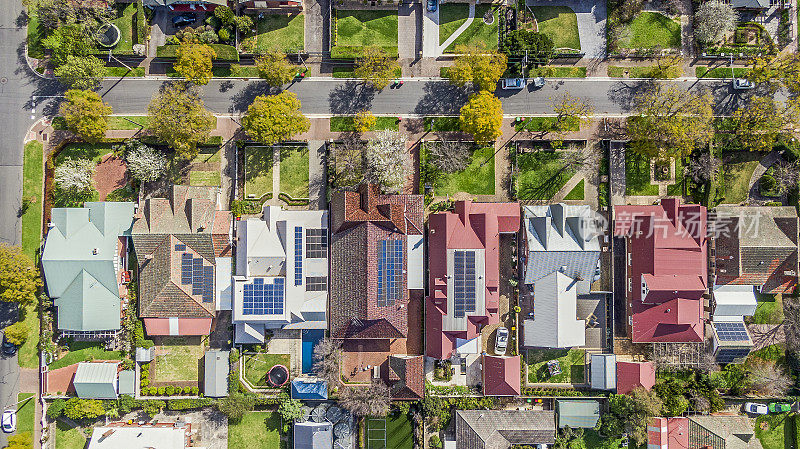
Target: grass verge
577, 192
346, 124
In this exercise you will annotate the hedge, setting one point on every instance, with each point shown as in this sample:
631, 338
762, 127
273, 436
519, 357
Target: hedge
224, 52
170, 390
292, 201
188, 404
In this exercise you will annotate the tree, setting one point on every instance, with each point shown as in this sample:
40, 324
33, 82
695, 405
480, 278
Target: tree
274, 68
667, 66
67, 41
19, 278
17, 333
759, 123
375, 67
783, 69
236, 405
274, 118
538, 45
387, 161
85, 114
785, 175
178, 117
631, 413
75, 176
670, 122
145, 163
55, 409
364, 121
78, 409
81, 72
477, 66
195, 61
713, 20
704, 167
571, 110
346, 160
290, 409
767, 378
366, 401
22, 440
449, 156
151, 407
327, 360
482, 117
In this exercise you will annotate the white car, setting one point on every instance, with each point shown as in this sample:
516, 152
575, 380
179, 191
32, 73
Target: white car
538, 82
501, 341
754, 408
743, 84
513, 83
9, 421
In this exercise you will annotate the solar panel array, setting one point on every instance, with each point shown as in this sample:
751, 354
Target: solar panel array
390, 271
200, 277
263, 299
731, 331
208, 284
298, 255
730, 355
464, 288
316, 243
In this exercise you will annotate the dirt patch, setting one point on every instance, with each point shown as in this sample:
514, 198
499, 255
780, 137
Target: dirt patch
111, 174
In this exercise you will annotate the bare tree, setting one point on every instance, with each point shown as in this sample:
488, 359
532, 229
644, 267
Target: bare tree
768, 378
327, 360
785, 174
387, 161
449, 156
714, 20
366, 401
703, 168
346, 159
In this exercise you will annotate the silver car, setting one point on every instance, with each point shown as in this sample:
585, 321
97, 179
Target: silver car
501, 341
743, 84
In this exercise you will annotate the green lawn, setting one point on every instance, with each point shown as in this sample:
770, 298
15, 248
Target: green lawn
68, 437
550, 71
346, 124
592, 440
541, 175
542, 124
122, 121
294, 173
32, 179
451, 16
478, 33
441, 124
559, 23
124, 22
720, 72
637, 175
393, 432
577, 192
735, 179
356, 29
640, 72
476, 179
677, 189
258, 171
83, 150
256, 366
650, 30
25, 412
236, 71
286, 33
180, 362
571, 361
208, 155
769, 309
35, 36
205, 178
123, 71
255, 430
350, 72
777, 429
80, 351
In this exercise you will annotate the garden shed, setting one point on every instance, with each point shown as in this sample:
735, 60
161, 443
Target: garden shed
96, 380
215, 375
583, 413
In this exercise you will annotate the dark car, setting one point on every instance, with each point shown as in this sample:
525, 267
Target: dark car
432, 5
184, 19
8, 347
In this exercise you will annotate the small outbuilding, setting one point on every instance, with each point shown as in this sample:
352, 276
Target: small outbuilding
215, 374
310, 389
604, 371
313, 435
127, 382
96, 380
581, 413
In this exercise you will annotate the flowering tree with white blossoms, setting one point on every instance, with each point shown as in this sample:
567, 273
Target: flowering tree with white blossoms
75, 176
387, 161
145, 163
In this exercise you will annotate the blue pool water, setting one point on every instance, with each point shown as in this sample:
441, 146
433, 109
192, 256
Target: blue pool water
310, 339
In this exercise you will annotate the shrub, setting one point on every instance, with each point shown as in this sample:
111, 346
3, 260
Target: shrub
55, 409
126, 403
188, 404
195, 391
152, 407
224, 35
79, 409
162, 391
773, 203
435, 441
767, 183
169, 390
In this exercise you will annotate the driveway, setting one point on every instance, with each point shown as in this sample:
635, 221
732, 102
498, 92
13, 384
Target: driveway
591, 23
430, 33
409, 33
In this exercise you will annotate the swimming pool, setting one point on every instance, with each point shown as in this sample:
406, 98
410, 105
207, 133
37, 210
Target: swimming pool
310, 339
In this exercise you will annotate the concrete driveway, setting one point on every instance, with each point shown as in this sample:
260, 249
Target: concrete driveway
430, 33
591, 23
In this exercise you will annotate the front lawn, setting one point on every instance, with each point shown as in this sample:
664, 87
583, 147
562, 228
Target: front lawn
734, 179
577, 192
84, 351
346, 124
637, 175
32, 178
83, 150
356, 29
285, 33
451, 17
545, 124
205, 178
541, 174
128, 121
476, 179
177, 360
571, 361
436, 124
651, 30
721, 72
651, 71
769, 309
68, 437
256, 366
258, 171
559, 23
294, 172
255, 430
772, 430
479, 33
680, 185
25, 412
124, 22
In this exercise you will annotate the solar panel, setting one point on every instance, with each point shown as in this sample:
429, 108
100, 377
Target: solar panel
197, 276
298, 255
263, 299
180, 247
731, 331
390, 271
186, 268
208, 284
730, 355
464, 287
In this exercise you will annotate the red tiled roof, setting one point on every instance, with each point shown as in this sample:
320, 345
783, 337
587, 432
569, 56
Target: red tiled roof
470, 226
501, 375
407, 376
666, 245
631, 375
668, 433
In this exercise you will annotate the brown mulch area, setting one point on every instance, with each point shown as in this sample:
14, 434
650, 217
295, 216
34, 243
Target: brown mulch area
110, 175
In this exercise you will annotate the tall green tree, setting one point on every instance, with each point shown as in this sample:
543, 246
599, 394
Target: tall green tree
236, 405
67, 41
195, 62
274, 68
178, 116
81, 72
86, 114
482, 117
760, 122
375, 67
477, 66
19, 277
274, 118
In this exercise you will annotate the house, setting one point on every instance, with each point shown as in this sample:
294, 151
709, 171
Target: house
555, 323
85, 260
133, 436
101, 380
577, 413
464, 279
702, 431
376, 280
632, 375
178, 241
312, 435
753, 5
501, 375
290, 7
215, 374
603, 372
502, 429
666, 269
281, 277
668, 433
406, 376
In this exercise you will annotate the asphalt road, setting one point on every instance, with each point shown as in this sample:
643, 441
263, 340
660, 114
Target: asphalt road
416, 97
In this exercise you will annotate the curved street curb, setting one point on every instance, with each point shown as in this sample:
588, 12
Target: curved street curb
30, 67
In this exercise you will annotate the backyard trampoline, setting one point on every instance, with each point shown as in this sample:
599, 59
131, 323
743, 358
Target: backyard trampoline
278, 376
107, 35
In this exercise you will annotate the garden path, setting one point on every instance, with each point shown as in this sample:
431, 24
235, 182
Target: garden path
571, 183
460, 29
765, 163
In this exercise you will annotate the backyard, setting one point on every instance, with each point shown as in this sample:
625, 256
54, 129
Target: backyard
68, 437
258, 163
637, 175
769, 309
560, 24
84, 351
772, 430
570, 360
734, 178
478, 33
357, 28
294, 172
281, 32
651, 30
392, 432
205, 167
178, 359
256, 366
476, 179
541, 174
255, 430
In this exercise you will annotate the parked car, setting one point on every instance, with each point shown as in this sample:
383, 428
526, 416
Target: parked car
754, 408
432, 5
501, 341
743, 84
9, 421
513, 83
538, 82
779, 407
184, 19
8, 347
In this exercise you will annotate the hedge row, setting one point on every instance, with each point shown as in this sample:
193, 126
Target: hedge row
348, 52
292, 201
224, 52
188, 404
170, 390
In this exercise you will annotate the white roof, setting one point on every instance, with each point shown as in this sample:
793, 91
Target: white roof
604, 371
138, 438
734, 302
416, 258
464, 346
555, 323
223, 282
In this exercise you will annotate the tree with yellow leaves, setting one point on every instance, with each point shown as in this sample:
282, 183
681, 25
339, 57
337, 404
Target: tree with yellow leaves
783, 69
375, 67
19, 277
761, 121
274, 68
364, 121
274, 118
482, 117
195, 61
85, 114
478, 66
571, 110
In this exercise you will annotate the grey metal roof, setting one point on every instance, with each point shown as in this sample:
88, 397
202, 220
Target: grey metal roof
750, 4
96, 380
492, 429
604, 371
215, 375
583, 413
312, 435
555, 323
127, 380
